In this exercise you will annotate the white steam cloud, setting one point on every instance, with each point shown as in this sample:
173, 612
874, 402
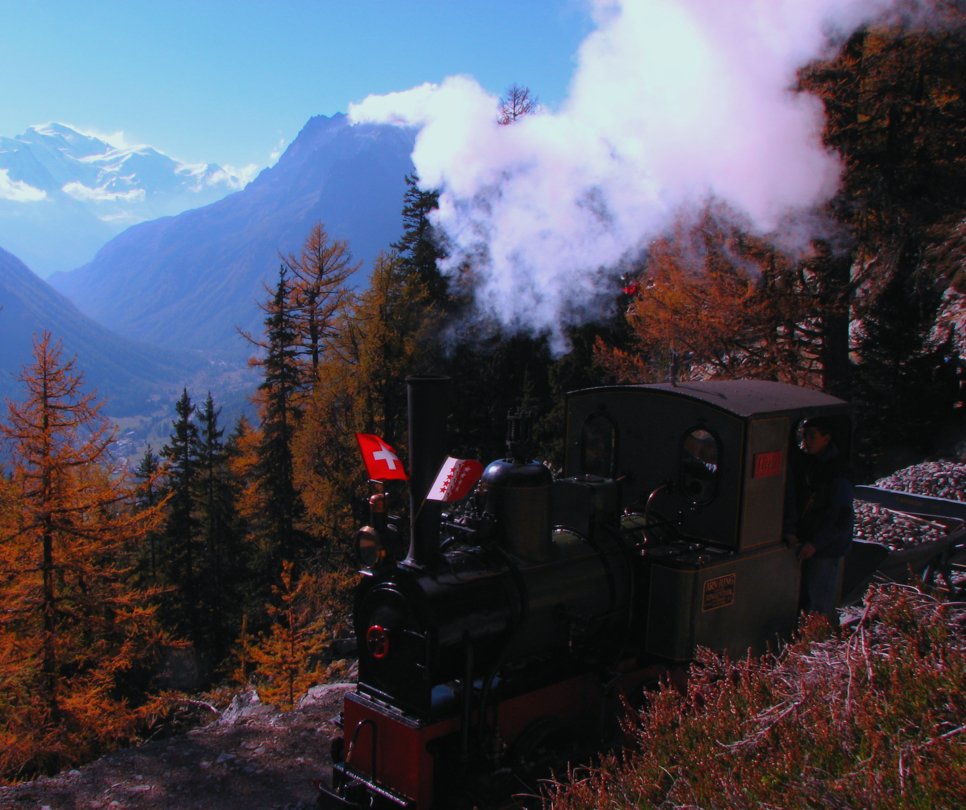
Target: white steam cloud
672, 102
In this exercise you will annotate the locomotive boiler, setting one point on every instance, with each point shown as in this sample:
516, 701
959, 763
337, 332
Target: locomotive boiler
504, 633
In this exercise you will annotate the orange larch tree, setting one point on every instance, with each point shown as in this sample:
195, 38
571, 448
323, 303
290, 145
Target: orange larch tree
77, 638
319, 273
383, 337
713, 301
288, 657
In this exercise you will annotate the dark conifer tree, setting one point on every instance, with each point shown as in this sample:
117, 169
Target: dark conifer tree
900, 394
149, 493
421, 246
280, 395
225, 568
896, 113
180, 555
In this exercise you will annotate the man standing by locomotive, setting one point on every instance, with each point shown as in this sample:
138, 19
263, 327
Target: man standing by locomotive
821, 519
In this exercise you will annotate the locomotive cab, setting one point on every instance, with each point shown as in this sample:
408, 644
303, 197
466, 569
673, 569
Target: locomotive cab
704, 469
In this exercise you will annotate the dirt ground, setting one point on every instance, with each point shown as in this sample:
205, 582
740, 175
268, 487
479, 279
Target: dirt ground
250, 758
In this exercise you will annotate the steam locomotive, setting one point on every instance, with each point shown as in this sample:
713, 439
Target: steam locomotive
502, 635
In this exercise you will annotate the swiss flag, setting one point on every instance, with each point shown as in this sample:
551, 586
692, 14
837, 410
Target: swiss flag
381, 460
456, 478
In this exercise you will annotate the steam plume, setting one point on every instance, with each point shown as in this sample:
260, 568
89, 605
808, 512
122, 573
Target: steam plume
672, 101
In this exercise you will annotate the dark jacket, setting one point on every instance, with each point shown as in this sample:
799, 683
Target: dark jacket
821, 504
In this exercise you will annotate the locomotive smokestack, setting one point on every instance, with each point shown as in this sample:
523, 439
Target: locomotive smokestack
428, 398
519, 446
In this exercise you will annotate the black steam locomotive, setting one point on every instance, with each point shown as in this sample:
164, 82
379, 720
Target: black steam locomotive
506, 633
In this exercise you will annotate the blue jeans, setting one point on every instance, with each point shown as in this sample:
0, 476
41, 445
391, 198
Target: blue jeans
821, 581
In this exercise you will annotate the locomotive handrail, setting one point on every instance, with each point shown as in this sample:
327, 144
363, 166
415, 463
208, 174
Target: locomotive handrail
925, 505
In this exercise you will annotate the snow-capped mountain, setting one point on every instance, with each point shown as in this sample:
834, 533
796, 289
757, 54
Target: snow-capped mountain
64, 193
191, 280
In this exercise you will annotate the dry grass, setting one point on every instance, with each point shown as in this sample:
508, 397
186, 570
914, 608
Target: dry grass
870, 716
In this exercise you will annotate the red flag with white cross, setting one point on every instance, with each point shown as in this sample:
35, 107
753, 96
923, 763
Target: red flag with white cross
382, 462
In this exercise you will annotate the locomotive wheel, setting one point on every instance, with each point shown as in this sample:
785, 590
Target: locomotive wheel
543, 744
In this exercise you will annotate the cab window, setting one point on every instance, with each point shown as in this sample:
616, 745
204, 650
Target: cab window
598, 442
700, 465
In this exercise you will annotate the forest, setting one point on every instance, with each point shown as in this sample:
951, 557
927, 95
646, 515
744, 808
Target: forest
223, 558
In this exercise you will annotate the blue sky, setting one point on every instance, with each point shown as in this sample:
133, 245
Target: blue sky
232, 82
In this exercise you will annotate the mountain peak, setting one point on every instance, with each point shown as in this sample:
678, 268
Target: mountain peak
156, 282
91, 187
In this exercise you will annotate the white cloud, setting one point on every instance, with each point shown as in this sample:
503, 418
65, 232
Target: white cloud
120, 218
18, 191
234, 178
277, 152
226, 176
99, 195
672, 101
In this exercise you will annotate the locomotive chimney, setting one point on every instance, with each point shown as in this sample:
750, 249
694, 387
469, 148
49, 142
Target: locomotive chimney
428, 398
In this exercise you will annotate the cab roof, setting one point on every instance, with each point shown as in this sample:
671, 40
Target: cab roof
743, 398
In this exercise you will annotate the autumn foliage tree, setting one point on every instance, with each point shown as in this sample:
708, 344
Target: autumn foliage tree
713, 301
287, 658
384, 337
75, 637
318, 290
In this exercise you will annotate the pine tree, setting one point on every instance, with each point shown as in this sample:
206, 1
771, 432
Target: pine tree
901, 401
75, 634
150, 495
421, 246
280, 397
224, 569
896, 113
182, 546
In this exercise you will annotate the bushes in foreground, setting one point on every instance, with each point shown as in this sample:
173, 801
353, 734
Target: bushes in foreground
871, 717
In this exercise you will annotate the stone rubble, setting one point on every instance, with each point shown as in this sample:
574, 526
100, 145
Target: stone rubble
897, 530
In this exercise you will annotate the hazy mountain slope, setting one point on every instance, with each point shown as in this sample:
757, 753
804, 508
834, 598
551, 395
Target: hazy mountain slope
189, 281
127, 376
64, 193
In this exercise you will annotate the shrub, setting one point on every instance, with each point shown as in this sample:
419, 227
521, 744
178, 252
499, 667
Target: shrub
871, 716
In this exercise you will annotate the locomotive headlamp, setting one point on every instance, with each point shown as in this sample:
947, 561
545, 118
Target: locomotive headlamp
369, 547
377, 641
